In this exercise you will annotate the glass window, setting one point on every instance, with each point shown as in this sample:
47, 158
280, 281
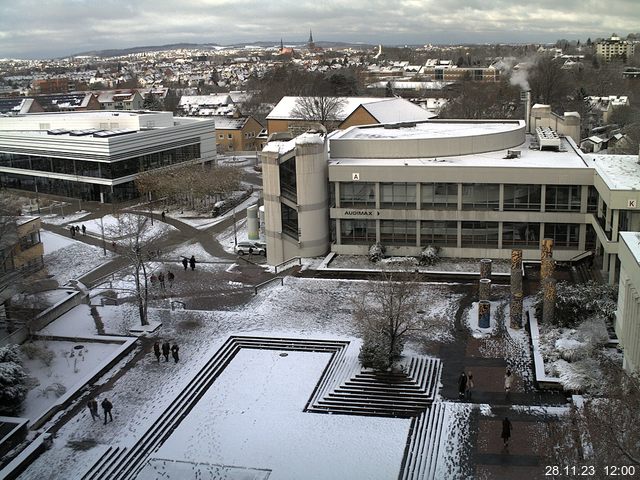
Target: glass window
480, 196
398, 232
592, 199
562, 198
564, 235
398, 195
358, 232
439, 195
289, 221
438, 233
520, 234
522, 197
480, 234
358, 194
288, 183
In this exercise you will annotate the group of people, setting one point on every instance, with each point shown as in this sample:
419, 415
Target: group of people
466, 385
161, 279
107, 406
465, 389
189, 262
74, 229
166, 349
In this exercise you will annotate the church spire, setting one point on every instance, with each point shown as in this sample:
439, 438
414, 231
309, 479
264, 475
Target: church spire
281, 45
310, 37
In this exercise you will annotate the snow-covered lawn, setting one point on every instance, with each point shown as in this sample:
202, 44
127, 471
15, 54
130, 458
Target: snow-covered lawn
112, 232
443, 265
68, 259
56, 217
68, 368
253, 417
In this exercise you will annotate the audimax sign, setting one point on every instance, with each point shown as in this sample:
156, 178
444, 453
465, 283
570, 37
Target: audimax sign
361, 213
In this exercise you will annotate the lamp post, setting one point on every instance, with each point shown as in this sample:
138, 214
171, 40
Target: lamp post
235, 231
104, 247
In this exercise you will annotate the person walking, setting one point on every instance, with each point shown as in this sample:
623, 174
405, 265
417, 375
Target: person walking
506, 431
192, 262
161, 280
163, 216
166, 348
153, 279
84, 230
156, 351
170, 277
73, 231
185, 263
470, 384
174, 352
107, 406
92, 405
77, 229
508, 383
462, 384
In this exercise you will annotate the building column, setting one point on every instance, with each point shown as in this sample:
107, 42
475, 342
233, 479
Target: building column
418, 241
501, 202
459, 196
418, 196
543, 200
612, 268
582, 237
605, 262
337, 194
584, 198
377, 231
459, 231
377, 189
615, 221
499, 234
338, 232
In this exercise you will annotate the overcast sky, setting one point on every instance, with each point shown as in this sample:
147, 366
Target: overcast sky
55, 28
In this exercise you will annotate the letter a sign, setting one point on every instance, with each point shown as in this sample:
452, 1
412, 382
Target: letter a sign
355, 176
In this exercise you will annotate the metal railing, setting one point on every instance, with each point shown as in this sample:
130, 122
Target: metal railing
292, 259
260, 285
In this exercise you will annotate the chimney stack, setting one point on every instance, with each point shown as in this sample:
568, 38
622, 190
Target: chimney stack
525, 97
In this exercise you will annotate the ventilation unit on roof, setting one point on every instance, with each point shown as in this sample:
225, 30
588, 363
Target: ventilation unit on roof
547, 138
394, 126
513, 154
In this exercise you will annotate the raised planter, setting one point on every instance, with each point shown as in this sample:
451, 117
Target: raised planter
543, 381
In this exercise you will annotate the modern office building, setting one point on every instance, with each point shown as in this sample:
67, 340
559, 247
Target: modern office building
474, 188
97, 155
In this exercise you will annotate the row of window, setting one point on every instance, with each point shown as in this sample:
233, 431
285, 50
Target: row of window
110, 170
473, 234
475, 196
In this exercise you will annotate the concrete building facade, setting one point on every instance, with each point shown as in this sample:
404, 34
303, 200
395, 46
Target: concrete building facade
628, 313
473, 188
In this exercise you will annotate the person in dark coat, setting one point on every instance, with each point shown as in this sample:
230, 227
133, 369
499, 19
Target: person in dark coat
92, 405
470, 384
107, 406
185, 263
192, 262
506, 431
170, 277
161, 280
174, 352
77, 229
72, 230
84, 230
462, 384
163, 215
156, 350
166, 348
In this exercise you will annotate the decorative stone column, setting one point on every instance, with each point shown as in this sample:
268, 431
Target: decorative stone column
484, 314
549, 300
484, 290
485, 268
547, 269
515, 312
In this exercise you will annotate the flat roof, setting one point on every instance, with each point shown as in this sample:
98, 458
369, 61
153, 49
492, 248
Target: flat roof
529, 158
619, 172
429, 129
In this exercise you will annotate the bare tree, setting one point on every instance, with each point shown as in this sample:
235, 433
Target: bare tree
321, 109
133, 234
548, 81
385, 314
603, 430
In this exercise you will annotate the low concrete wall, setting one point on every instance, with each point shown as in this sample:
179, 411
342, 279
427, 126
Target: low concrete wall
543, 381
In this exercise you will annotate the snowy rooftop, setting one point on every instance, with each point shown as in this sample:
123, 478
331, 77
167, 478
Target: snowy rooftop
619, 172
284, 109
632, 239
428, 130
529, 158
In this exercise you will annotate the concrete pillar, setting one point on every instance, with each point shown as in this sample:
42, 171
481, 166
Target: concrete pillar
547, 266
484, 314
484, 290
516, 271
515, 312
485, 268
252, 222
612, 268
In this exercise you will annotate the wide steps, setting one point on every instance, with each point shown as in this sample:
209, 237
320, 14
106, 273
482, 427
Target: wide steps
423, 446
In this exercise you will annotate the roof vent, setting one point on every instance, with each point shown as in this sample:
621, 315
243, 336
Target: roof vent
513, 154
547, 137
395, 126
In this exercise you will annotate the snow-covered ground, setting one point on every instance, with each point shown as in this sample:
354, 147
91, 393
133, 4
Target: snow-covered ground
68, 368
67, 259
443, 265
112, 231
254, 418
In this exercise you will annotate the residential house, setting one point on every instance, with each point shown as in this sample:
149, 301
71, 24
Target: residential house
237, 134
